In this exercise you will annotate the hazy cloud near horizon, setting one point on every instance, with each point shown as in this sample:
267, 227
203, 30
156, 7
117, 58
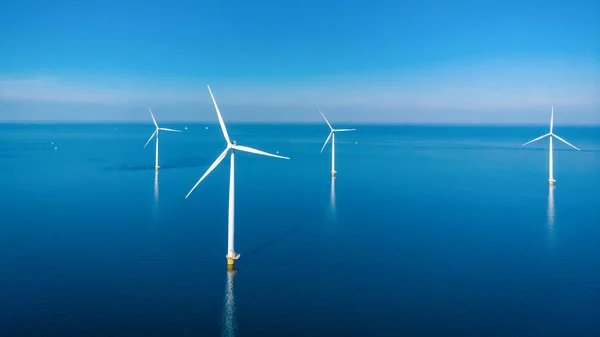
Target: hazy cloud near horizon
498, 91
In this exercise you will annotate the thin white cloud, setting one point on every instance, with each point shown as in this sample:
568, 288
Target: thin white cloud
490, 85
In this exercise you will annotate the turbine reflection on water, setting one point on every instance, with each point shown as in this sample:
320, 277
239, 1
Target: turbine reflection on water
332, 209
155, 208
332, 197
551, 233
229, 322
156, 187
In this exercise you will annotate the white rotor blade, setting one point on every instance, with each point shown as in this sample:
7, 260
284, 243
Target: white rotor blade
326, 120
220, 117
251, 150
153, 119
212, 167
342, 130
564, 141
538, 138
552, 119
326, 141
149, 139
165, 129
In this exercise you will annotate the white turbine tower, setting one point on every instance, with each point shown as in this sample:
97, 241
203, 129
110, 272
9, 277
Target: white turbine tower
155, 134
231, 147
332, 136
551, 134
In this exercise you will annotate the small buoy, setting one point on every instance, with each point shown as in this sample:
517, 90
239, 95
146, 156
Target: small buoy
55, 148
206, 128
355, 142
185, 128
52, 143
277, 152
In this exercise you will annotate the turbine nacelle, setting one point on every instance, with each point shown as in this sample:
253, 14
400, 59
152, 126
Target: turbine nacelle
332, 131
155, 133
551, 133
230, 146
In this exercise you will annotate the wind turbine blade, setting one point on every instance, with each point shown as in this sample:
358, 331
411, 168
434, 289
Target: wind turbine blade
326, 141
342, 130
212, 167
538, 138
564, 141
153, 119
165, 129
219, 116
251, 150
149, 139
326, 120
552, 119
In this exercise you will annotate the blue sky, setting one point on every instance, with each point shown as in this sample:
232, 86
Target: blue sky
360, 61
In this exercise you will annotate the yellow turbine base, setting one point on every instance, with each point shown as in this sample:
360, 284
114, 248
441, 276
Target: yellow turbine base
156, 168
551, 183
230, 267
231, 259
333, 174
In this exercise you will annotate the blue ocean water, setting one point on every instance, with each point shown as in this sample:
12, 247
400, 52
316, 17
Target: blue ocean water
425, 231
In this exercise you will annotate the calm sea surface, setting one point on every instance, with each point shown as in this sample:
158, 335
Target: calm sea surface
426, 231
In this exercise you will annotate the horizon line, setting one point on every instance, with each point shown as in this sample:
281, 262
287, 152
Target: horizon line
192, 122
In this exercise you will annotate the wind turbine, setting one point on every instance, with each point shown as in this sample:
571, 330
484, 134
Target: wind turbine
231, 147
332, 136
551, 134
155, 133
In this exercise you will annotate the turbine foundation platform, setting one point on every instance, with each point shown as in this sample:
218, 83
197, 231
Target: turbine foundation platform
231, 259
156, 168
333, 174
551, 182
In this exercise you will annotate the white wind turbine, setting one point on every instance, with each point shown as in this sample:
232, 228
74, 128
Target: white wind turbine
332, 136
231, 147
551, 134
155, 133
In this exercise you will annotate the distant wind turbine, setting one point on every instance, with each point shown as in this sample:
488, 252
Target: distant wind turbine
231, 147
332, 136
551, 134
155, 133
